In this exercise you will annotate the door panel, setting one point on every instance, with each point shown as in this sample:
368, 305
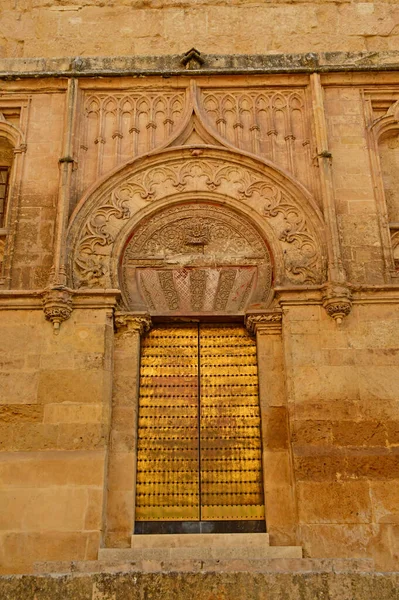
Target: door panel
230, 457
167, 447
199, 445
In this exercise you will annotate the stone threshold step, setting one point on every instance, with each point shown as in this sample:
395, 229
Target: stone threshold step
200, 540
271, 565
200, 553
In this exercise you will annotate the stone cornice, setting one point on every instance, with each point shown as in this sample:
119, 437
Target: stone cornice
287, 295
117, 66
33, 299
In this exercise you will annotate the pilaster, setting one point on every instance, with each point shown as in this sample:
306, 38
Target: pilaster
130, 327
278, 480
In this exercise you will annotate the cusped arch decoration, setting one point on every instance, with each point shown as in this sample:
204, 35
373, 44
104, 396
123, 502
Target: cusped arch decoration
281, 210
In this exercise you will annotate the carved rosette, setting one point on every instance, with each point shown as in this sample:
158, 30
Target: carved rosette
129, 323
337, 302
57, 306
266, 323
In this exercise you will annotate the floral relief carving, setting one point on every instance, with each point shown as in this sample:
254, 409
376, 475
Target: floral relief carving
268, 322
198, 229
300, 245
128, 324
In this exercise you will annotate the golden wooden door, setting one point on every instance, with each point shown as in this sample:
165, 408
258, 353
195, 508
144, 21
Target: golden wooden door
199, 443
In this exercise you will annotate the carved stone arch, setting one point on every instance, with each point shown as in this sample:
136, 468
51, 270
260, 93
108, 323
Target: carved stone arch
279, 209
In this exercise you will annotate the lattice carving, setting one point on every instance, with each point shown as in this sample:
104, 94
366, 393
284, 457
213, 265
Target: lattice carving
271, 124
118, 127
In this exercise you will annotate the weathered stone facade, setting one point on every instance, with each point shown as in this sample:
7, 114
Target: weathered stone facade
275, 177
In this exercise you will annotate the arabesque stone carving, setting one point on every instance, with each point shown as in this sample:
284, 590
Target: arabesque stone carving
196, 258
219, 174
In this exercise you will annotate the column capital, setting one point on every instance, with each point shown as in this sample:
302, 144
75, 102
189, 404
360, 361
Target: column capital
129, 322
267, 322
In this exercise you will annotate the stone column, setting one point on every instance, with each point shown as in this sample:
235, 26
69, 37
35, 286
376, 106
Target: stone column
336, 296
123, 439
278, 480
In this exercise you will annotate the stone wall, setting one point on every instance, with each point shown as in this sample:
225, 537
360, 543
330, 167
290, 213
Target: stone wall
54, 415
342, 397
85, 27
204, 586
332, 411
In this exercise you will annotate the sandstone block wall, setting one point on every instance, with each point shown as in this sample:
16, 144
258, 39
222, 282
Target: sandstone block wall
66, 410
85, 27
344, 430
54, 415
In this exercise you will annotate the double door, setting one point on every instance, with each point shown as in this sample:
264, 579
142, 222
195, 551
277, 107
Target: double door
199, 443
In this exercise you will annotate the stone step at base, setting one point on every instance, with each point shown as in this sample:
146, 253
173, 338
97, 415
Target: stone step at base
198, 540
271, 565
200, 553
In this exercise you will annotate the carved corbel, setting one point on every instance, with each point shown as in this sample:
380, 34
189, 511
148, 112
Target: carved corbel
337, 302
267, 322
129, 323
57, 306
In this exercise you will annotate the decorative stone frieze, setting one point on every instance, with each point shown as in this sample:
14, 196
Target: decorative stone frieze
267, 322
337, 302
57, 306
129, 323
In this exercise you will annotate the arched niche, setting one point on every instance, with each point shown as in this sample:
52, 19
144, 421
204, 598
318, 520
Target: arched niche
280, 210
